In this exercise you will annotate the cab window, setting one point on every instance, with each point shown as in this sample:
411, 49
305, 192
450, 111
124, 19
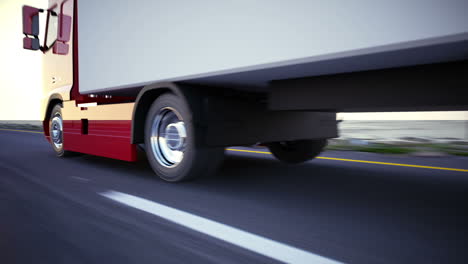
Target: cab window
52, 28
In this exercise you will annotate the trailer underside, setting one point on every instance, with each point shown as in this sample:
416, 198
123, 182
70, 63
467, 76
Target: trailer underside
424, 75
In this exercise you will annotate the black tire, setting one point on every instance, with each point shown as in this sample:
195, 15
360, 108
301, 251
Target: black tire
58, 148
197, 159
297, 151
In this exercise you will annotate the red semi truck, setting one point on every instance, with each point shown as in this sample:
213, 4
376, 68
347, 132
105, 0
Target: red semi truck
189, 78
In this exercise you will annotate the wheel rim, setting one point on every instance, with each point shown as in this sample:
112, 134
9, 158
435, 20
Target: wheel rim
57, 131
168, 137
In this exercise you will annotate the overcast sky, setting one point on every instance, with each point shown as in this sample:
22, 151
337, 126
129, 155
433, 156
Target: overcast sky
21, 75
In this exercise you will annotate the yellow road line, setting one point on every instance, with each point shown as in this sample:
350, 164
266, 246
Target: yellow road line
20, 130
394, 164
249, 151
364, 161
325, 158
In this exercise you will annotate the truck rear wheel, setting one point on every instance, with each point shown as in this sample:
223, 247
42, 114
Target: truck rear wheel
297, 151
172, 141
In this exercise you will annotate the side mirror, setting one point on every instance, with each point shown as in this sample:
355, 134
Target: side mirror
64, 28
61, 47
31, 27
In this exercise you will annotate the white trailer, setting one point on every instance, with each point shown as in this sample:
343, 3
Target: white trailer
188, 78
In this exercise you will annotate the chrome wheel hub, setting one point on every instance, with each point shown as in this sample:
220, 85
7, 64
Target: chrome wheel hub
57, 131
168, 137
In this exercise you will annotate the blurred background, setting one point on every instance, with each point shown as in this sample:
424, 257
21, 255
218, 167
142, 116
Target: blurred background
20, 70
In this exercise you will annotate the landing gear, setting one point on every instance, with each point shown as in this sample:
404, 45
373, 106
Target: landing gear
173, 142
297, 151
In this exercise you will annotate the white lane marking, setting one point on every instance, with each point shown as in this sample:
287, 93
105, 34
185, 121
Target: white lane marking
252, 242
80, 178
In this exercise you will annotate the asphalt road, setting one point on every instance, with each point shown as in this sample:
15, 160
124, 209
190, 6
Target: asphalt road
56, 210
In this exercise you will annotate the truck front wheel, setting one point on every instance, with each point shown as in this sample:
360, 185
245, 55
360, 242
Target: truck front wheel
56, 131
173, 142
297, 151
